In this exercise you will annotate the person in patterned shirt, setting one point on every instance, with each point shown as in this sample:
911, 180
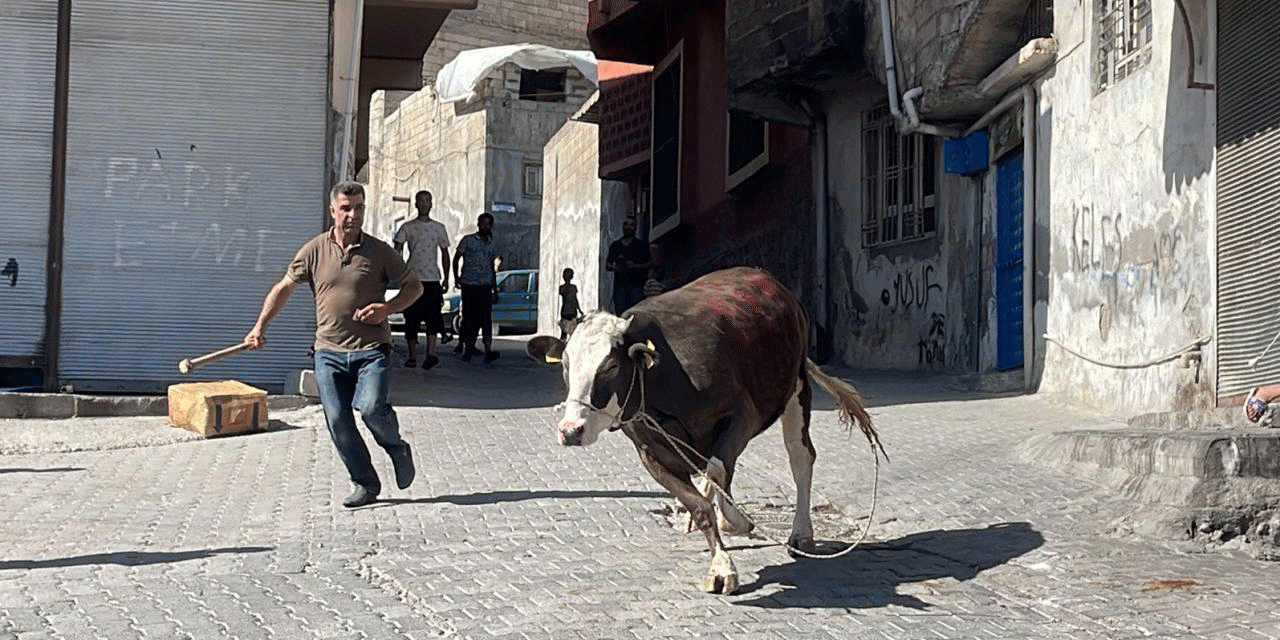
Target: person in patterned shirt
424, 236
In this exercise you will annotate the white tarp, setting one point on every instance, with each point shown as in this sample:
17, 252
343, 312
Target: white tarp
459, 79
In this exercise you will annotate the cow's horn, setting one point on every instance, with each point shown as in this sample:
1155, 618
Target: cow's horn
646, 350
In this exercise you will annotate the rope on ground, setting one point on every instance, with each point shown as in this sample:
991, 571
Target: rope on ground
679, 447
1188, 348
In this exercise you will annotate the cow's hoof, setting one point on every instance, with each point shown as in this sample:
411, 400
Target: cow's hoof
722, 584
803, 544
729, 527
723, 576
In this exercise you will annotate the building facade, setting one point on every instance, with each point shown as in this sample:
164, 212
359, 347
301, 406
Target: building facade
484, 155
712, 187
167, 164
1050, 195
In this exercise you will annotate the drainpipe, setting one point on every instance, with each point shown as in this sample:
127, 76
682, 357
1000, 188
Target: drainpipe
910, 122
821, 230
1028, 232
353, 89
57, 201
913, 119
890, 66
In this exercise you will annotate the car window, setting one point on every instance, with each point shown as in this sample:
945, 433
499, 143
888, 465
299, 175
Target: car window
514, 282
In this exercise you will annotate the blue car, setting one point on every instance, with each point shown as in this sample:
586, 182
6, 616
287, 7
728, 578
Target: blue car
516, 309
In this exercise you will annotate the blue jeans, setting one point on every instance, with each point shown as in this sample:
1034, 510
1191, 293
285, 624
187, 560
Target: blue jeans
358, 380
626, 296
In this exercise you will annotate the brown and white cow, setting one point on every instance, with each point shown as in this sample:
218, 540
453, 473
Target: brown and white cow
713, 363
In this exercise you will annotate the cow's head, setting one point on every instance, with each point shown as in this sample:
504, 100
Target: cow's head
600, 366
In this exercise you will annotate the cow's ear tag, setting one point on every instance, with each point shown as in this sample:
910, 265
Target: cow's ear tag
550, 359
648, 359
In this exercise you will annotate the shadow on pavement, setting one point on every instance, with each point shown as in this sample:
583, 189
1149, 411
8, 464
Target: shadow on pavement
127, 558
495, 497
513, 381
869, 576
48, 470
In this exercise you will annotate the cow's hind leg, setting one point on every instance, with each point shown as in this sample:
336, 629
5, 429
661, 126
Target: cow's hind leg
723, 575
801, 454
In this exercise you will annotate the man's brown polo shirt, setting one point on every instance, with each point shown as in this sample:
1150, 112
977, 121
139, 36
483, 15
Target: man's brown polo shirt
343, 282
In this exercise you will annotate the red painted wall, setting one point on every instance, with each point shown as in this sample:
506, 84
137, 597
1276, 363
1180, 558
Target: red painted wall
767, 220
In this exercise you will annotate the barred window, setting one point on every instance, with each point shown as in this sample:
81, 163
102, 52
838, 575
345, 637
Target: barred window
899, 199
1124, 40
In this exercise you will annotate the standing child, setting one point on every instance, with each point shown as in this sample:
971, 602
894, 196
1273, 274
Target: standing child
570, 312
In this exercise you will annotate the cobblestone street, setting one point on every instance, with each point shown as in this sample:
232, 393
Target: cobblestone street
505, 534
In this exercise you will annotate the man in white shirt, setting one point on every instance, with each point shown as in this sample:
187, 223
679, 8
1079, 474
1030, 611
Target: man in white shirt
424, 236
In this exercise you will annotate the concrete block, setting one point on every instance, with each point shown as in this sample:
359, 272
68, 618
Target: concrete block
97, 406
301, 382
36, 405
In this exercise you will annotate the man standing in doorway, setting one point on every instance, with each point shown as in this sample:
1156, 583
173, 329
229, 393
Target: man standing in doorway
478, 280
349, 273
424, 236
629, 260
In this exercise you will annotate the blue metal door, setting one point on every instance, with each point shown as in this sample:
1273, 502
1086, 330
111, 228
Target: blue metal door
1009, 262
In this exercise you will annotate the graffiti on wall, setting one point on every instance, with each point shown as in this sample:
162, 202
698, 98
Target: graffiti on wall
1127, 265
1099, 241
933, 347
174, 181
139, 245
910, 290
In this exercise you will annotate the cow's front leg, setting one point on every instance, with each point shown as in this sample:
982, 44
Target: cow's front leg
730, 520
723, 576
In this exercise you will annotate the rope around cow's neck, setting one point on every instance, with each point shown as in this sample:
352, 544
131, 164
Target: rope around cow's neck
643, 418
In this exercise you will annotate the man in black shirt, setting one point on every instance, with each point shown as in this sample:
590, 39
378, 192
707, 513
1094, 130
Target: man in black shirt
629, 260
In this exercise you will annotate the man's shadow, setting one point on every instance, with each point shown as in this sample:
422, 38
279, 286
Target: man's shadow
869, 576
127, 558
497, 497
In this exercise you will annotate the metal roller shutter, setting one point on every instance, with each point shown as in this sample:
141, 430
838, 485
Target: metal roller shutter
1248, 194
28, 49
196, 150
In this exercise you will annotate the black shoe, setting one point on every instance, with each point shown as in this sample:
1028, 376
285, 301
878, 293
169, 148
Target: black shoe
410, 363
457, 348
430, 361
403, 464
359, 498
490, 356
466, 356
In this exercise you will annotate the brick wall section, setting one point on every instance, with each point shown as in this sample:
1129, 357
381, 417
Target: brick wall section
556, 23
767, 35
625, 118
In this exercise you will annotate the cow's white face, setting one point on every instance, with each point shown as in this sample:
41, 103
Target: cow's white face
592, 364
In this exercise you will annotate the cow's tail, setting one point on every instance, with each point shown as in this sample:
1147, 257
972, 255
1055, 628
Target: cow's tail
852, 411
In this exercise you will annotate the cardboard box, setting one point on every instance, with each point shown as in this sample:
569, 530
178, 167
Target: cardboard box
218, 408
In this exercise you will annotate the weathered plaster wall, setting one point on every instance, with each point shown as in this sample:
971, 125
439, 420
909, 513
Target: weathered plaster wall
579, 211
1124, 184
911, 306
517, 132
422, 144
469, 155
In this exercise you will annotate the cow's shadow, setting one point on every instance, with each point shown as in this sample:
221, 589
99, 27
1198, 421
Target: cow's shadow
870, 575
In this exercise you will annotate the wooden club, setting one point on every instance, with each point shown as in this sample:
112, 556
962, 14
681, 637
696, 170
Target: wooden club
187, 364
